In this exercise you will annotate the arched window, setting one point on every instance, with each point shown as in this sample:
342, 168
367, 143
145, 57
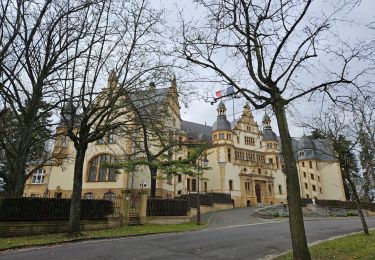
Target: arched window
89, 196
109, 196
98, 171
38, 176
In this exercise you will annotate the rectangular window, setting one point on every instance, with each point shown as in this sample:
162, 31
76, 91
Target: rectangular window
310, 164
269, 187
65, 141
304, 174
229, 155
193, 185
179, 178
307, 196
314, 188
38, 177
229, 137
169, 180
280, 189
259, 171
312, 176
230, 185
111, 137
238, 139
306, 186
205, 186
270, 161
318, 178
320, 189
188, 184
303, 164
179, 192
249, 140
247, 186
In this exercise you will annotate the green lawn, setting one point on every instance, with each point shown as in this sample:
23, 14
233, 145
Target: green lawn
16, 242
358, 246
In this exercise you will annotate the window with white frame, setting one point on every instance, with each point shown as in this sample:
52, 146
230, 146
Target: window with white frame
38, 176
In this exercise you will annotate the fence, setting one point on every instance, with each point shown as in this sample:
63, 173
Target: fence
167, 207
32, 209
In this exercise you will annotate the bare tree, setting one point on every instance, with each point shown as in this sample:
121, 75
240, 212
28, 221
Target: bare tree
336, 126
124, 38
36, 38
271, 53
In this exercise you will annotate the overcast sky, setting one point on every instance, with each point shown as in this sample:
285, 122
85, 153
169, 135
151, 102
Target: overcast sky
200, 112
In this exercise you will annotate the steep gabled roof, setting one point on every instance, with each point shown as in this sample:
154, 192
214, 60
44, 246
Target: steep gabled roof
197, 131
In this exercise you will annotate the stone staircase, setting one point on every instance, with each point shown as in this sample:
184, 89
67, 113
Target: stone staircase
134, 219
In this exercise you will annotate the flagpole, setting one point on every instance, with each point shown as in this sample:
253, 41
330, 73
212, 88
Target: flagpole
233, 107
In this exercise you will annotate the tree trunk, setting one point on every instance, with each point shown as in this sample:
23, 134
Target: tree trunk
296, 225
19, 172
356, 198
75, 207
153, 171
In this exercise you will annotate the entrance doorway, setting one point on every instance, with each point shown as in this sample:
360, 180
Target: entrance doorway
258, 193
248, 203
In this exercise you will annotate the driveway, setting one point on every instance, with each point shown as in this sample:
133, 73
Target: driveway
248, 241
232, 217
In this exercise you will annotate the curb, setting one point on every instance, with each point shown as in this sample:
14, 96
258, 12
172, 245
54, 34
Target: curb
89, 239
270, 257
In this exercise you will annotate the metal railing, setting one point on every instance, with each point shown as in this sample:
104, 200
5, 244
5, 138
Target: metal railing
34, 209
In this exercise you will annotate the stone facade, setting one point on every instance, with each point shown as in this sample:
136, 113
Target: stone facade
245, 161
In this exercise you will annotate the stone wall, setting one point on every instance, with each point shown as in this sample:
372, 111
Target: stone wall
10, 229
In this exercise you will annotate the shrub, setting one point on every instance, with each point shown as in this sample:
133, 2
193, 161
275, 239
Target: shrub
51, 209
167, 207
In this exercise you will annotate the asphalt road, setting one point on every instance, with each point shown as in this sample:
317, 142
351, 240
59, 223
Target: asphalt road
248, 241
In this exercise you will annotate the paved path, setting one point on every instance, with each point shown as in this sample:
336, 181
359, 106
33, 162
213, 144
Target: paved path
232, 217
249, 241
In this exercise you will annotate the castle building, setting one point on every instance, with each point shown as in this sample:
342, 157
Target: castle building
244, 160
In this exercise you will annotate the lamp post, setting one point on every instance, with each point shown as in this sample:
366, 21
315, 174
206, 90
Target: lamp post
199, 167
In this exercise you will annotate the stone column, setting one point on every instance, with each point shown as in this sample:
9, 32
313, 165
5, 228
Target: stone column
222, 176
124, 207
142, 209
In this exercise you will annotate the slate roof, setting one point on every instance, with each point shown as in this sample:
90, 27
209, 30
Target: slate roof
197, 131
269, 135
306, 142
222, 123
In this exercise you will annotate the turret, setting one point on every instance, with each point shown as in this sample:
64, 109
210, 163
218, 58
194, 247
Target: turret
222, 129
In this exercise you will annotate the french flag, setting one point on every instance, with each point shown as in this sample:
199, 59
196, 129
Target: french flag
224, 92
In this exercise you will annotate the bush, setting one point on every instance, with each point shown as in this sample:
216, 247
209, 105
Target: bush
167, 207
220, 197
192, 199
51, 209
306, 201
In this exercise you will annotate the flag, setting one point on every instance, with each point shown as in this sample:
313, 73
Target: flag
219, 93
224, 92
229, 90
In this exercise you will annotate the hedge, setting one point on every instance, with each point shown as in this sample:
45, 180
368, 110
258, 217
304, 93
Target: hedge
220, 197
51, 209
192, 199
167, 207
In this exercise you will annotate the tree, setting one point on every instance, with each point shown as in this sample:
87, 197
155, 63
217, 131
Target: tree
265, 49
38, 151
124, 38
362, 108
154, 132
36, 38
336, 127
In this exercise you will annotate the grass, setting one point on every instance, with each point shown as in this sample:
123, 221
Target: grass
126, 231
358, 246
